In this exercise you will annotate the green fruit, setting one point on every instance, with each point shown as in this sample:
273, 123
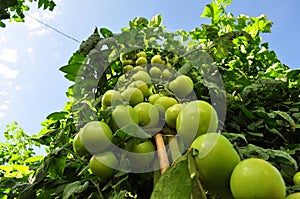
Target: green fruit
124, 115
153, 98
127, 62
142, 154
181, 86
96, 136
166, 102
148, 114
156, 59
196, 118
256, 178
141, 54
296, 178
139, 68
133, 96
171, 115
215, 161
78, 147
293, 196
155, 72
103, 164
166, 74
142, 75
128, 68
111, 98
141, 61
140, 85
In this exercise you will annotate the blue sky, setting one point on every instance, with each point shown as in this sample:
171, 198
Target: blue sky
31, 85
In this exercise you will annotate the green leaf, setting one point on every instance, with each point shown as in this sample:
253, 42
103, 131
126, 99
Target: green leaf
71, 69
34, 159
57, 115
175, 183
74, 187
106, 33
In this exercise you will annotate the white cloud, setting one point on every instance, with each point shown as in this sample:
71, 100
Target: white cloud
8, 73
4, 107
1, 116
2, 40
9, 55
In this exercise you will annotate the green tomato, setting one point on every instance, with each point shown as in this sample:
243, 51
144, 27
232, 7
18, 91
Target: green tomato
143, 153
78, 147
133, 96
111, 98
196, 118
142, 75
139, 68
296, 178
181, 86
127, 62
166, 102
128, 68
257, 178
215, 161
103, 164
96, 136
171, 115
141, 54
166, 74
156, 59
140, 85
141, 61
152, 98
148, 114
124, 115
155, 72
293, 196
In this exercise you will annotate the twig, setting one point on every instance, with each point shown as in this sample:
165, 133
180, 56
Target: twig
161, 152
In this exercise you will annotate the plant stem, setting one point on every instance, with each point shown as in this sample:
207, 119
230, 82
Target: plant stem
161, 152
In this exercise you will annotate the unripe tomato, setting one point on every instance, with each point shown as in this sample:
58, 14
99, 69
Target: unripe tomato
148, 114
103, 164
142, 75
215, 161
165, 102
96, 136
196, 118
128, 68
156, 59
155, 72
141, 61
111, 98
124, 115
293, 196
78, 147
141, 54
133, 96
296, 178
171, 115
256, 178
140, 85
143, 153
182, 86
153, 98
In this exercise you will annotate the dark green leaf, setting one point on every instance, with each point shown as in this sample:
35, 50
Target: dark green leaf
57, 115
106, 33
175, 183
74, 187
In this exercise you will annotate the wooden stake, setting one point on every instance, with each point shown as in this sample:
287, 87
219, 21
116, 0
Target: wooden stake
161, 152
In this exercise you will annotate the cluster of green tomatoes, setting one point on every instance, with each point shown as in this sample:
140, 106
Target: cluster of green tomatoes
151, 97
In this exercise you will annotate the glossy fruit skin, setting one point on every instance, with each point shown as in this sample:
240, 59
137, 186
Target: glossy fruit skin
142, 75
181, 86
141, 61
140, 85
293, 196
196, 118
215, 161
171, 115
96, 136
155, 72
133, 96
124, 115
143, 153
78, 147
153, 98
148, 114
256, 178
111, 98
103, 164
166, 102
156, 59
128, 68
296, 178
166, 74
141, 54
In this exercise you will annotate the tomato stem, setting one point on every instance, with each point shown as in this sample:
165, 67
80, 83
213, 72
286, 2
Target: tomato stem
161, 152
